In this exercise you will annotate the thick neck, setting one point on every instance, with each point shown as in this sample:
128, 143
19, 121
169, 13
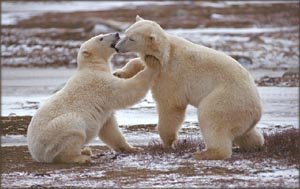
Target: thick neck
162, 53
98, 65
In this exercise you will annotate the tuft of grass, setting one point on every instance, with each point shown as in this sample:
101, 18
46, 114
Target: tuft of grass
181, 147
284, 145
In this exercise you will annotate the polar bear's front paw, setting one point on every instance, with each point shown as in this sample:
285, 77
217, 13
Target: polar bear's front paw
86, 151
133, 150
82, 159
152, 62
169, 146
137, 149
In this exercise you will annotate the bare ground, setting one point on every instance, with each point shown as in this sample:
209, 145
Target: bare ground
156, 166
123, 170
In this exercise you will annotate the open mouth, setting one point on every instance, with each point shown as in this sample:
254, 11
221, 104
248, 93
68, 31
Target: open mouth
113, 45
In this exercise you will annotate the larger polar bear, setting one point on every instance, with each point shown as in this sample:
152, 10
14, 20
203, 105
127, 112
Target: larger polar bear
223, 91
85, 107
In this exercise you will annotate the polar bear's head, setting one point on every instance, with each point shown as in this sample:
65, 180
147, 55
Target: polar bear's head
145, 37
98, 49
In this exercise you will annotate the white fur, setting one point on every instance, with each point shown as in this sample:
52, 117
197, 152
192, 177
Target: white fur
85, 107
223, 91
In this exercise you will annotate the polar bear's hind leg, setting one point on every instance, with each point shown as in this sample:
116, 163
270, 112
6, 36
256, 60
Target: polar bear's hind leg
72, 151
218, 142
69, 137
252, 140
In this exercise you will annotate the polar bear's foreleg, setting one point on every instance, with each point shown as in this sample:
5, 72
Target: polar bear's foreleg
170, 120
130, 91
130, 69
112, 136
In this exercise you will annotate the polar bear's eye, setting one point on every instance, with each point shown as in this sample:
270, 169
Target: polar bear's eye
101, 39
130, 39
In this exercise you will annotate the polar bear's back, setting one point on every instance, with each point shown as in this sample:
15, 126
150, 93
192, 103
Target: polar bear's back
200, 70
197, 60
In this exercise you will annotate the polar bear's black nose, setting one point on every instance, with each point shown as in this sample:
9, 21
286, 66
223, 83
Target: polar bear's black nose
117, 35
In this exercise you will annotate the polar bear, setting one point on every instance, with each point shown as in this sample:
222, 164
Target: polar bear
85, 106
223, 91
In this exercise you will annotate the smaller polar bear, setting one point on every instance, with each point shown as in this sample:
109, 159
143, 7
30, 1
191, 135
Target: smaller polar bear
223, 91
85, 106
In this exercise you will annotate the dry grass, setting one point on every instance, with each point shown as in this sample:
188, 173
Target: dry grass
285, 145
181, 147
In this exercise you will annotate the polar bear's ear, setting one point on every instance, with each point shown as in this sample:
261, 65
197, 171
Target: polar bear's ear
86, 53
152, 37
138, 18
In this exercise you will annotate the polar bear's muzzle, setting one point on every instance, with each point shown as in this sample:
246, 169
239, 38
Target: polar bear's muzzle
116, 39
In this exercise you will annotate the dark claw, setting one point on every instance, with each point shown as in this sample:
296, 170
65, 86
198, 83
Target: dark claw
116, 74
